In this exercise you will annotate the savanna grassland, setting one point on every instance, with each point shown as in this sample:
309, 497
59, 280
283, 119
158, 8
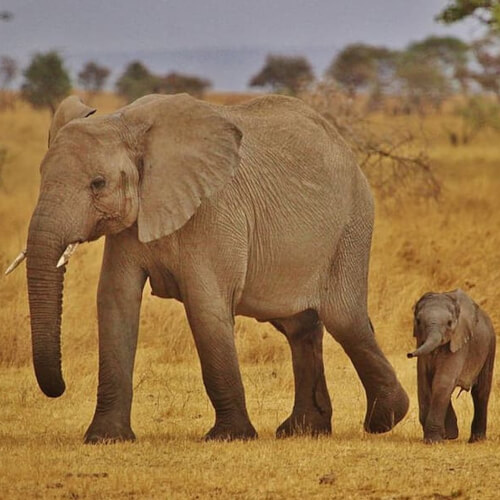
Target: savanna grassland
419, 245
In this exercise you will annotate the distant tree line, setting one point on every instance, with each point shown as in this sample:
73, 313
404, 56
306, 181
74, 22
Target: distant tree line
421, 76
415, 79
137, 80
46, 81
424, 74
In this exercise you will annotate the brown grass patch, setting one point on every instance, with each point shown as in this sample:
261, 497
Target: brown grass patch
418, 246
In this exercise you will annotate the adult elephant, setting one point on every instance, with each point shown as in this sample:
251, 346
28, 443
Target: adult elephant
257, 209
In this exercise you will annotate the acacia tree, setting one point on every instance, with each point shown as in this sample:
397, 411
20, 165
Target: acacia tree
288, 74
487, 56
362, 67
486, 12
46, 81
422, 79
173, 83
449, 53
93, 77
137, 81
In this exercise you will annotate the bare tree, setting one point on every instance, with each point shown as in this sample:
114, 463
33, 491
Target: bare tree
8, 71
392, 158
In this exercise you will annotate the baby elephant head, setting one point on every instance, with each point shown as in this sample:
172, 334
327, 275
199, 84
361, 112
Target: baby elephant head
441, 318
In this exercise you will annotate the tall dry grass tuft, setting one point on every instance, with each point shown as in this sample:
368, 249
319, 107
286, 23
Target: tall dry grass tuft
419, 245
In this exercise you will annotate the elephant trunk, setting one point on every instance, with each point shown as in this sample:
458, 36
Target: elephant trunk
45, 291
432, 342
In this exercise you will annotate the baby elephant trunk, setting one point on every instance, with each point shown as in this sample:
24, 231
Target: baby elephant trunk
433, 341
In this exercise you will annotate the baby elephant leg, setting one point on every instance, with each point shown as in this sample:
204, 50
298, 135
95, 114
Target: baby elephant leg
480, 395
441, 414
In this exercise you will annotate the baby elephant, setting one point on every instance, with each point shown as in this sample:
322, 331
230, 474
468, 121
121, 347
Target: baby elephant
456, 348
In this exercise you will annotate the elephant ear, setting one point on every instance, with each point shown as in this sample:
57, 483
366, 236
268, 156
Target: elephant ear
189, 152
466, 319
70, 108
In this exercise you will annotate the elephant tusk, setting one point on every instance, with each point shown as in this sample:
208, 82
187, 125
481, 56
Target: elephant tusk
70, 250
16, 262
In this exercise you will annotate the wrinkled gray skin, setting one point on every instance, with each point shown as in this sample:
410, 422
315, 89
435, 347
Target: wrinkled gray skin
258, 209
456, 348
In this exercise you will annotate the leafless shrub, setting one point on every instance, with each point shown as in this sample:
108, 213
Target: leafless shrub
393, 158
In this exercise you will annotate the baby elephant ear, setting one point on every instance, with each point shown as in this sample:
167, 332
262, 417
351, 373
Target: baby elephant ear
467, 317
189, 153
70, 108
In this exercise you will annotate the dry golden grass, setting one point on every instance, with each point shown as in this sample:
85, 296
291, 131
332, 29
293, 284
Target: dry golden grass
418, 246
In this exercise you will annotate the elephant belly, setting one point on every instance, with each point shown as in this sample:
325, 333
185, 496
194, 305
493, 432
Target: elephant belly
163, 284
275, 304
286, 273
468, 377
475, 361
280, 291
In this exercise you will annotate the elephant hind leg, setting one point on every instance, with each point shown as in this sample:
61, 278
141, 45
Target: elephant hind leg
312, 410
450, 423
480, 396
343, 310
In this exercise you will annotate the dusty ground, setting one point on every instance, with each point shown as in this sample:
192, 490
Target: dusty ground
418, 246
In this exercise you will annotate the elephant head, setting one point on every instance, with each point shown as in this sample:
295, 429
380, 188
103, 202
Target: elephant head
441, 318
150, 164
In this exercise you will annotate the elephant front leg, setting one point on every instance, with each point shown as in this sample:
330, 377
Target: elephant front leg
119, 300
212, 325
439, 418
312, 409
424, 383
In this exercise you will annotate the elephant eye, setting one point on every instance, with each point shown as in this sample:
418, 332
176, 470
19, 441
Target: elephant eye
449, 323
97, 183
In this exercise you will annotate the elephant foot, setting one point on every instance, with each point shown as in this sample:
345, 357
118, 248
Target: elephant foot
305, 423
476, 438
386, 410
106, 433
433, 439
434, 434
226, 432
451, 434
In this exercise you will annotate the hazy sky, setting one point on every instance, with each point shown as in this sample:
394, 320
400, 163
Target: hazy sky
93, 27
119, 25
